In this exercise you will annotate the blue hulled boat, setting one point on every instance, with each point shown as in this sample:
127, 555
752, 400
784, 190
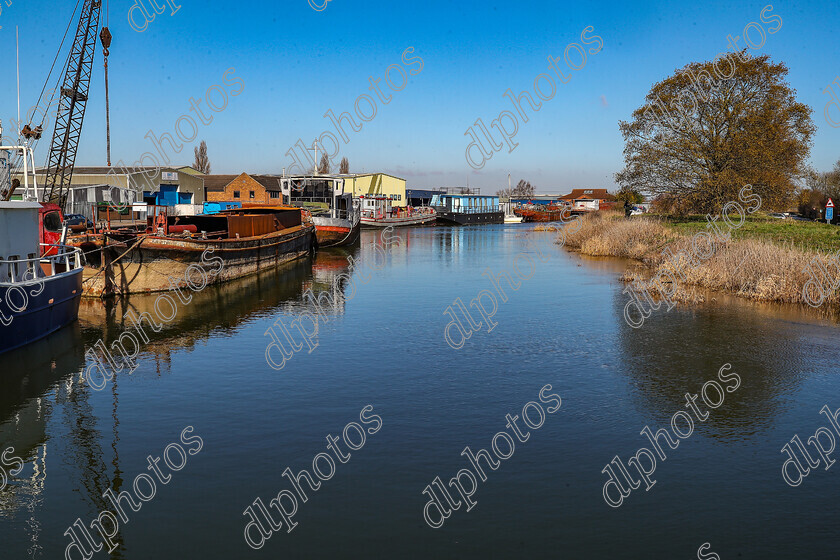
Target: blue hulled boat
40, 283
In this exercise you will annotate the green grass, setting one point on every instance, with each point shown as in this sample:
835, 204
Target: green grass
809, 236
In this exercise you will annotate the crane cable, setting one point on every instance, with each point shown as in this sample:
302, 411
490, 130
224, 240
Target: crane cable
105, 37
33, 134
60, 47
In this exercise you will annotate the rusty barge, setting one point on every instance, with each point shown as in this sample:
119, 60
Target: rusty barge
194, 251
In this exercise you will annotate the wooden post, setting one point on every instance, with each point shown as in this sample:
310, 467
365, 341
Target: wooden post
108, 273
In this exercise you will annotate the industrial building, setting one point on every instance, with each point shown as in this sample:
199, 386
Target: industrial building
164, 186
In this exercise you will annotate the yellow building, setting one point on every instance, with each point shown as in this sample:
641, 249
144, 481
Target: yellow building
376, 183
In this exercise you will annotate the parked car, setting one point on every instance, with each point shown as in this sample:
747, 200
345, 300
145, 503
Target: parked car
78, 220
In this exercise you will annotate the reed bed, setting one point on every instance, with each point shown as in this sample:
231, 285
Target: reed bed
749, 268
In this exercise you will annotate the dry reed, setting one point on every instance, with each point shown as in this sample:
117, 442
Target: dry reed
749, 268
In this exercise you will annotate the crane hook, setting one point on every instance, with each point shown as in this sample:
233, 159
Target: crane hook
105, 37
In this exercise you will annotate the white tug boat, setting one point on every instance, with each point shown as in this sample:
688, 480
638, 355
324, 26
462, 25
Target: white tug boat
40, 282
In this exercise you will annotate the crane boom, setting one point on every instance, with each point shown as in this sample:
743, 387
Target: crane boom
73, 98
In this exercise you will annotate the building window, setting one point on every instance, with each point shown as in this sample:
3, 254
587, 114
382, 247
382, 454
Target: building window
250, 194
235, 194
273, 194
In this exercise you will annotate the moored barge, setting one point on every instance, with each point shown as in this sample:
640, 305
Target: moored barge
379, 212
193, 251
542, 213
465, 209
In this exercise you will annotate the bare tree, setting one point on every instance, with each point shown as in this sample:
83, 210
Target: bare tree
344, 166
324, 165
202, 162
523, 189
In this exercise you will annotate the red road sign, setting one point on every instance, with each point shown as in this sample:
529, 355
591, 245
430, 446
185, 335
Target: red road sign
829, 204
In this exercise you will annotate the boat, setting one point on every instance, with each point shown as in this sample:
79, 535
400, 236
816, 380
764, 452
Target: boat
542, 212
464, 209
40, 277
333, 211
378, 211
194, 251
510, 215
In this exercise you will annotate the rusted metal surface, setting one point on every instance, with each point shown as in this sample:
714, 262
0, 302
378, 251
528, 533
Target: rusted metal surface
336, 232
548, 214
160, 261
251, 225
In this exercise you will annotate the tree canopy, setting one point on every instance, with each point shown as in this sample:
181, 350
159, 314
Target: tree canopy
523, 189
629, 195
699, 144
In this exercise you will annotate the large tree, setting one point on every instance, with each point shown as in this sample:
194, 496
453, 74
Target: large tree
344, 166
202, 162
698, 142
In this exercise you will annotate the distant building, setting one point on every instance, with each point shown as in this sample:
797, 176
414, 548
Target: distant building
244, 188
589, 199
190, 171
95, 201
165, 186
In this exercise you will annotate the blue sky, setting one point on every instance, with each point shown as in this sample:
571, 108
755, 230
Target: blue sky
296, 63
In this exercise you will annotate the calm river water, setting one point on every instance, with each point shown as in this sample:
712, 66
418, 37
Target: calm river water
385, 347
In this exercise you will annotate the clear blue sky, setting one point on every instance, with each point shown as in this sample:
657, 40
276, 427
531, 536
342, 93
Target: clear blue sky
296, 63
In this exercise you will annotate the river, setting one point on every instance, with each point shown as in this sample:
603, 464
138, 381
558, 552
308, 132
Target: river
382, 353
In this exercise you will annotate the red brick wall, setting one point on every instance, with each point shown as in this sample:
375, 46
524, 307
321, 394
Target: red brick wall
244, 184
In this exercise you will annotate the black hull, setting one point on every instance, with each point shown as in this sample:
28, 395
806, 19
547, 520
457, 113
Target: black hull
460, 219
55, 307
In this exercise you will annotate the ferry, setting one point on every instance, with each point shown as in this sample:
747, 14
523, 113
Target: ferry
335, 214
40, 277
378, 211
464, 209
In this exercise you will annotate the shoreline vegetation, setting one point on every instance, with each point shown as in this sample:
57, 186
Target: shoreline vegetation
764, 260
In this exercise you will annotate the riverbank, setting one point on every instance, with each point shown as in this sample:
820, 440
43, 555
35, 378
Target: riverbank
762, 261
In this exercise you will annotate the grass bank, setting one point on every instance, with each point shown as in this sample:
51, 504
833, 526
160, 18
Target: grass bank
806, 236
763, 261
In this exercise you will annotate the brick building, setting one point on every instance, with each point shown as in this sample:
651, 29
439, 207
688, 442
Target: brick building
244, 188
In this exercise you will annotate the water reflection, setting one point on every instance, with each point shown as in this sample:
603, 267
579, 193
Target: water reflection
29, 376
677, 352
41, 379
